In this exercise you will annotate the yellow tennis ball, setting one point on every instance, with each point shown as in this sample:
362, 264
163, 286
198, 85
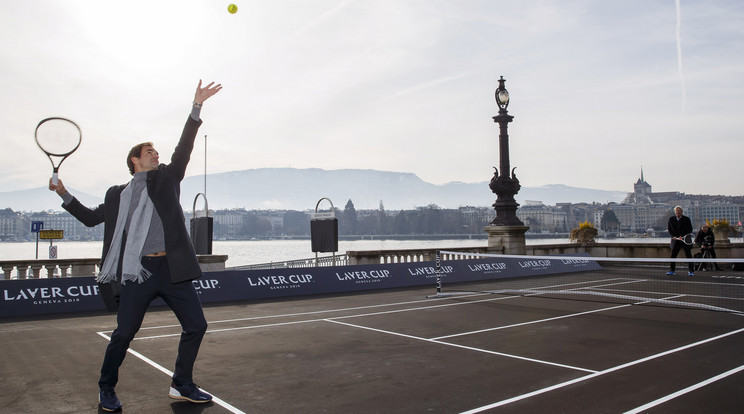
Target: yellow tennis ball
232, 8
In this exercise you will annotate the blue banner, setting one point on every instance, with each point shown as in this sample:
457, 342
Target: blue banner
79, 294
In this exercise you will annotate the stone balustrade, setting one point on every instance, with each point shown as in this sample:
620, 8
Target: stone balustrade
624, 249
48, 268
368, 257
28, 269
629, 250
32, 269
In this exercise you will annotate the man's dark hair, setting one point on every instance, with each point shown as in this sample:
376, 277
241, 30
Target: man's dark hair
136, 152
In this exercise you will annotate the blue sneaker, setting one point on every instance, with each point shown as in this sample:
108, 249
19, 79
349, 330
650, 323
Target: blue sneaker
670, 273
190, 393
109, 401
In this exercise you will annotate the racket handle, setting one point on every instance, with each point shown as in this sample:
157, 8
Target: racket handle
55, 178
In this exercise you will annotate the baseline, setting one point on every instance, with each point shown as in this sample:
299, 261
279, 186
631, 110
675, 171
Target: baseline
600, 373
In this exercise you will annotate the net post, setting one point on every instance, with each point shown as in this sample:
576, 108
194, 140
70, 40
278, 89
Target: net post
439, 272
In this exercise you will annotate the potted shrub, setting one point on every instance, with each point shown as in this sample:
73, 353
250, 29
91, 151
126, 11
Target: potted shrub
584, 234
721, 229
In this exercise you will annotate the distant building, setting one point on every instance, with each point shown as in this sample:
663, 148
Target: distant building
541, 218
643, 209
716, 211
71, 227
641, 187
476, 218
10, 225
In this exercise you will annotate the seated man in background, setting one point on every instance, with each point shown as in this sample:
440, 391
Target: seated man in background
705, 239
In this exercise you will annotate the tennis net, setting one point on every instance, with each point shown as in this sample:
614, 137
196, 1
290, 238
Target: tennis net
638, 281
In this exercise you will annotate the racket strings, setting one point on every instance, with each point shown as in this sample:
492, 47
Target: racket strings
58, 137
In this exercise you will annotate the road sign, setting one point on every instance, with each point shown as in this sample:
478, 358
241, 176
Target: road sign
51, 234
52, 252
36, 226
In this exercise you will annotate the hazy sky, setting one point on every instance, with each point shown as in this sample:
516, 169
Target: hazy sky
598, 88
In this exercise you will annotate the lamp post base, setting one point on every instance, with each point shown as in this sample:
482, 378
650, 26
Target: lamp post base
507, 239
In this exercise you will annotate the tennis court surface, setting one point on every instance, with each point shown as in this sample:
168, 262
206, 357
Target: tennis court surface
397, 351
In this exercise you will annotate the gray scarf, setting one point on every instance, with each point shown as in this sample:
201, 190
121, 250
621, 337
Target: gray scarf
136, 233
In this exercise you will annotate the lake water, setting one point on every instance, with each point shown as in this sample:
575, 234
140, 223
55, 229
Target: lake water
245, 252
239, 253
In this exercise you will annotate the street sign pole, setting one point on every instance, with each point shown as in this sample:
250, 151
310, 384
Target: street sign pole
36, 227
50, 235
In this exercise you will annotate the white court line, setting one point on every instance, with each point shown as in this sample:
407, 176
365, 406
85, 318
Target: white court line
544, 320
528, 323
286, 315
253, 318
234, 410
322, 319
169, 373
490, 299
239, 328
462, 346
607, 371
351, 308
685, 391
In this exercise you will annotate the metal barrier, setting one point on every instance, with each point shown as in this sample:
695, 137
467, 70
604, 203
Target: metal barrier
338, 260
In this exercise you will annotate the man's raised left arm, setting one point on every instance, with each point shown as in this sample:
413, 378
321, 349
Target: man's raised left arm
182, 152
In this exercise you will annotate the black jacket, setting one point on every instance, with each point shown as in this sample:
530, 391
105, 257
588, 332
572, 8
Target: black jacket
679, 228
705, 238
164, 189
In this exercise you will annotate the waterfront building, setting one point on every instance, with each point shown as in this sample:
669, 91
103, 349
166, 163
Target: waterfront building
716, 211
11, 223
229, 224
541, 218
476, 218
72, 228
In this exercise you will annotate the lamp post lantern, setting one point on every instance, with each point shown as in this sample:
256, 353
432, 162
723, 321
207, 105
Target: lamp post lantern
504, 182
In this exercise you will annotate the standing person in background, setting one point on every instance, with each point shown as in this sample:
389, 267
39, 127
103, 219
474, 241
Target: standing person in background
705, 239
147, 253
678, 226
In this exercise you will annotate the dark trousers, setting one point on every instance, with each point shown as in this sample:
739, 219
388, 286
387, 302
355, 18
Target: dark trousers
135, 299
678, 244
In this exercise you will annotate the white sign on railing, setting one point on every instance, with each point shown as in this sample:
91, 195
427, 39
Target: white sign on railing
324, 215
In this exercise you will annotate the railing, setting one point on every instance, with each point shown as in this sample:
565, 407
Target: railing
50, 268
639, 250
338, 260
27, 269
32, 269
402, 256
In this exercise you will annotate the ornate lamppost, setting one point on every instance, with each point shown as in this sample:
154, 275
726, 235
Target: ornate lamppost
506, 231
502, 184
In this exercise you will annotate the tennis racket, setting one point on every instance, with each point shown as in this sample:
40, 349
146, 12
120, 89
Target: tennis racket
687, 239
58, 138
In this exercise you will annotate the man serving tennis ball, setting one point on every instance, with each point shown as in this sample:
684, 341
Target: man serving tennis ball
147, 253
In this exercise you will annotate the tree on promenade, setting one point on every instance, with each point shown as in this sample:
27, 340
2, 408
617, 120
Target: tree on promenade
609, 222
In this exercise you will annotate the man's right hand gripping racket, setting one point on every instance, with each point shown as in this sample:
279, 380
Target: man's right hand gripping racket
688, 239
58, 138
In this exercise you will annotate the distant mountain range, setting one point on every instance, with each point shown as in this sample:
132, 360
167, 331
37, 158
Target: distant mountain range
300, 189
41, 199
